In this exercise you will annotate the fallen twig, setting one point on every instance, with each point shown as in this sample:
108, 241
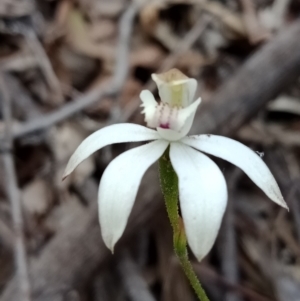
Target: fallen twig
45, 65
228, 243
256, 32
261, 78
47, 120
135, 285
12, 190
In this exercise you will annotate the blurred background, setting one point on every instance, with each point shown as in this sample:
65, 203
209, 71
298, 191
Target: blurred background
68, 68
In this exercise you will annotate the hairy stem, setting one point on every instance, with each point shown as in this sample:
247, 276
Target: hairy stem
169, 186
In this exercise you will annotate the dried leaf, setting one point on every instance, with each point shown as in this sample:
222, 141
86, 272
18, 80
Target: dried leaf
37, 196
65, 140
285, 103
15, 8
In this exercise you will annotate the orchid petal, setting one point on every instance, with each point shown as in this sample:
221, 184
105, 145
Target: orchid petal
119, 185
186, 116
150, 108
202, 195
117, 133
243, 157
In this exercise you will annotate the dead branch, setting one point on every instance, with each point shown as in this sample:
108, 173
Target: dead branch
47, 120
261, 78
12, 190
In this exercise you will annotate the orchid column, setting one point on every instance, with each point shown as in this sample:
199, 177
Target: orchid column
185, 172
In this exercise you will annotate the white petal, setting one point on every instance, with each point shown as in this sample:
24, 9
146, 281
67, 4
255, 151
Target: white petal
119, 185
169, 135
150, 108
186, 116
202, 195
117, 133
241, 156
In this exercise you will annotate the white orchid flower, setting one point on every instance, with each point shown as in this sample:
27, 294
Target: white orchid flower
202, 187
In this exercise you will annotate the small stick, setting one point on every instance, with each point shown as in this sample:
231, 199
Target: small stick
256, 32
47, 120
228, 245
13, 195
133, 282
36, 47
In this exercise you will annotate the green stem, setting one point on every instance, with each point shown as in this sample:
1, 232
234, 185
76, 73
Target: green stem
169, 186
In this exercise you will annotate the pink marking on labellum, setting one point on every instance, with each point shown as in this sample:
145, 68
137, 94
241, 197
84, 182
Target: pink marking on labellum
164, 126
